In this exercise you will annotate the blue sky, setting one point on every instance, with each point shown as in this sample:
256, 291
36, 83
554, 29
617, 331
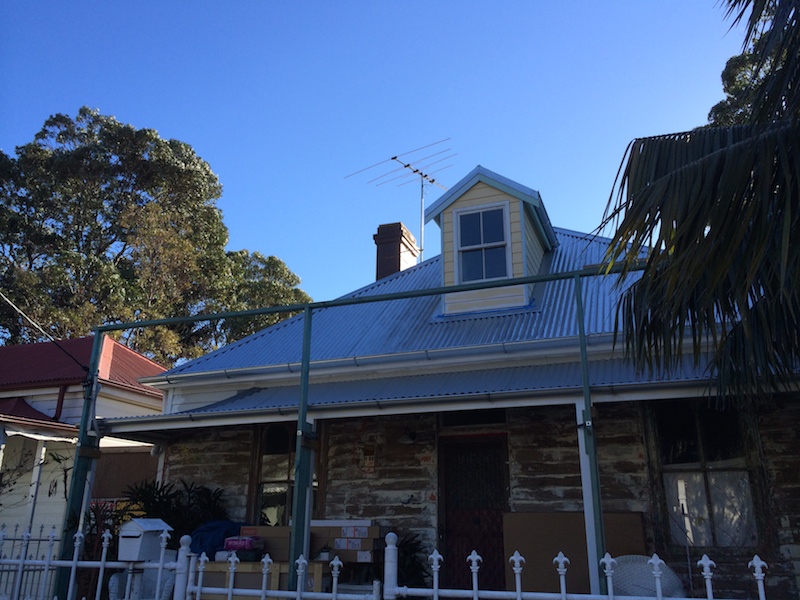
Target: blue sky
286, 99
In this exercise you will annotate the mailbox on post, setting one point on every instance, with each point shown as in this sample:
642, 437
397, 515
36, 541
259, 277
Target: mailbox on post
140, 540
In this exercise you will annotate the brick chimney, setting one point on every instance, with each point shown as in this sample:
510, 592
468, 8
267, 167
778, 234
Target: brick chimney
397, 249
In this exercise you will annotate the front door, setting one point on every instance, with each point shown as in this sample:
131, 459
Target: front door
474, 497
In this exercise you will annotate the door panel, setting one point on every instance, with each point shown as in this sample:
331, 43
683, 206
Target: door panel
474, 494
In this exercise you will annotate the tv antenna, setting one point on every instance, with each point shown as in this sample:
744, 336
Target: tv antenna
410, 169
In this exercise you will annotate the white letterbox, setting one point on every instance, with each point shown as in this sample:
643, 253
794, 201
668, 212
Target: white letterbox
140, 539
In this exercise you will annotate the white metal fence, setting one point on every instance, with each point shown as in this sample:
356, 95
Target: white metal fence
28, 572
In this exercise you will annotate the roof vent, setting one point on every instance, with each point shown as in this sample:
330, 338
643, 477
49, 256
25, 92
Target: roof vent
397, 249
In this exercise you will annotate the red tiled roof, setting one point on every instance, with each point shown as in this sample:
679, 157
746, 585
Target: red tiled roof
66, 362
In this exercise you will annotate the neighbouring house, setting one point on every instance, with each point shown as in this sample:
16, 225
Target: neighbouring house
458, 416
41, 401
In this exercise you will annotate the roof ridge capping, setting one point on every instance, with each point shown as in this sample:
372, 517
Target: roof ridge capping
480, 174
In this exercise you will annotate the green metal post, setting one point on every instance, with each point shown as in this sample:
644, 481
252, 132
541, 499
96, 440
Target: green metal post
590, 441
301, 499
87, 452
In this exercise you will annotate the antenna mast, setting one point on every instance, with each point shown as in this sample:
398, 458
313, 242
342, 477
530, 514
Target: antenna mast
423, 177
411, 168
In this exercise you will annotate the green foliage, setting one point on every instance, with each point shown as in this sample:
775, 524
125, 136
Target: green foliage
102, 222
718, 211
413, 569
737, 78
184, 507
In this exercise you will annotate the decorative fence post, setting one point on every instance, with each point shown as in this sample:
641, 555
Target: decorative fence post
758, 567
74, 569
336, 568
103, 557
436, 564
516, 560
233, 560
562, 562
161, 558
608, 563
265, 564
706, 563
657, 563
390, 567
474, 560
179, 592
201, 570
302, 566
26, 538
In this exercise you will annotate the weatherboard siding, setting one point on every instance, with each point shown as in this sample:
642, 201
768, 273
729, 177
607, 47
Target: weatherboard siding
534, 250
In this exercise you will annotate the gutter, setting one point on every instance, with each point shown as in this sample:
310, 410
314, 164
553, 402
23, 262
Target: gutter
158, 425
545, 348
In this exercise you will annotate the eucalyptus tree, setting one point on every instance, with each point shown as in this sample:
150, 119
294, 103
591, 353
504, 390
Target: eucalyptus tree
102, 222
719, 209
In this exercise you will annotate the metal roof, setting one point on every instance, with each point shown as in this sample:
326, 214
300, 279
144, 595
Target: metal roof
516, 381
417, 324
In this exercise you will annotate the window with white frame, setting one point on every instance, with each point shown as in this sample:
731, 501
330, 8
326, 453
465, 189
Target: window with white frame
482, 244
705, 475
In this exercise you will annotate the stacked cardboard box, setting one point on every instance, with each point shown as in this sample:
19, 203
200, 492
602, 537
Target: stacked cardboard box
351, 541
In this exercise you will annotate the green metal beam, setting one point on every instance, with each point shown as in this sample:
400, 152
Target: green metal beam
303, 469
590, 443
87, 452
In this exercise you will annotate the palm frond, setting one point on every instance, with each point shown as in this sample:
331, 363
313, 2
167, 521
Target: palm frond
719, 209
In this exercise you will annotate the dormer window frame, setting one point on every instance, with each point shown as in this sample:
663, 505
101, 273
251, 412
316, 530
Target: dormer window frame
506, 243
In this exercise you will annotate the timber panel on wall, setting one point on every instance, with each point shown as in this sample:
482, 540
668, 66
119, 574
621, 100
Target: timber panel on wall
539, 537
118, 470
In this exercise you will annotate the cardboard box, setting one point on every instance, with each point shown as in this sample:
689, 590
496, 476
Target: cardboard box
277, 540
359, 531
354, 556
249, 576
351, 536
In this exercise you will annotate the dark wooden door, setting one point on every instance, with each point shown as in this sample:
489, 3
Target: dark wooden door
474, 498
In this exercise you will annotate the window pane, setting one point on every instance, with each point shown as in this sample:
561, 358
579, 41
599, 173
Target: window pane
470, 229
688, 509
472, 265
493, 230
274, 503
734, 521
721, 434
677, 434
495, 262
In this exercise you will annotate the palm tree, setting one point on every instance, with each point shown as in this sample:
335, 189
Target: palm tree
719, 210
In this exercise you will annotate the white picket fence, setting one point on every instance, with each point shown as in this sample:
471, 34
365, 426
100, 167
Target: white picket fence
25, 576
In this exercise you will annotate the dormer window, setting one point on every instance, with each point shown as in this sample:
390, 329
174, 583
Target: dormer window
483, 249
493, 229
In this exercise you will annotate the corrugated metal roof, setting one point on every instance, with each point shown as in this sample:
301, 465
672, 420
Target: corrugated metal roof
417, 324
525, 380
